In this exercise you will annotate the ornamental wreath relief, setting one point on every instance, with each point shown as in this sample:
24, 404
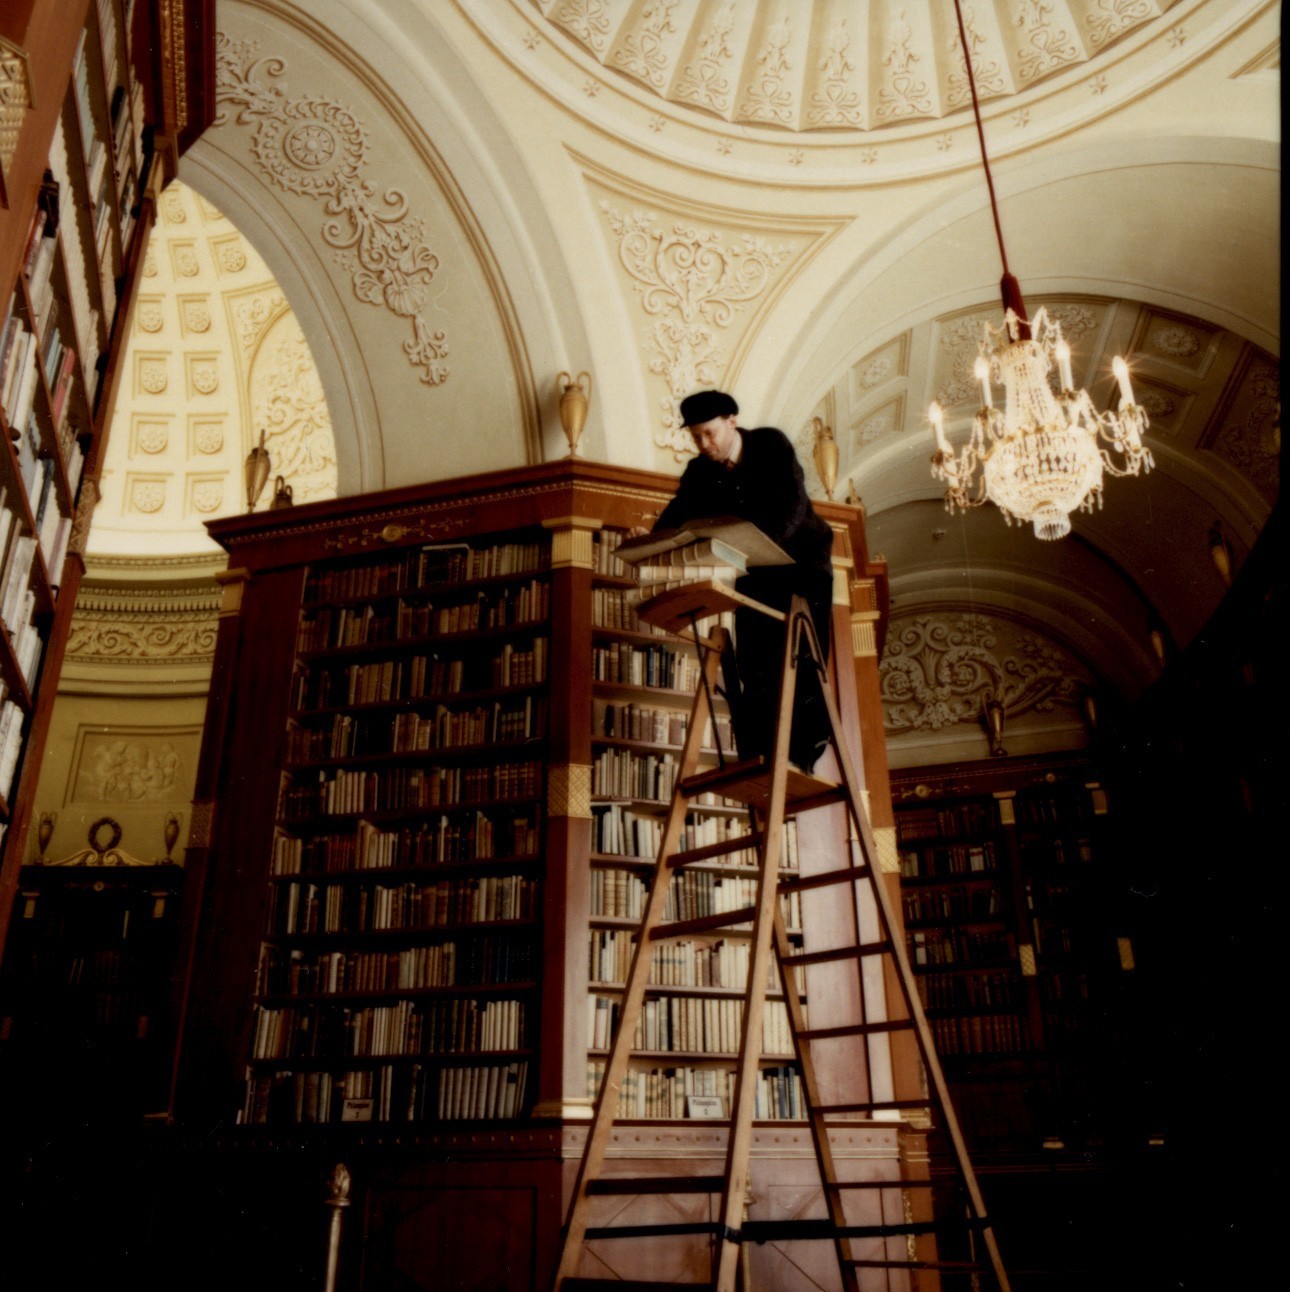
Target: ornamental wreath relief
316, 148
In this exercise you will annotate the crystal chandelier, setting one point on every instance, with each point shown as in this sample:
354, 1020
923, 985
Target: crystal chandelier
1042, 456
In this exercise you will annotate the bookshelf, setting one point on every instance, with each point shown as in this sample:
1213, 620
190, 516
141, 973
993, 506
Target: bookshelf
428, 794
83, 990
1013, 926
78, 191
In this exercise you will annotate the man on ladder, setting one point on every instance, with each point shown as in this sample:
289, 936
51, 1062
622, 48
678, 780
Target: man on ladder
755, 476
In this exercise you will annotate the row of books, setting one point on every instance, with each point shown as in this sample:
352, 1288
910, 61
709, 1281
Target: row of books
1057, 851
331, 1030
19, 372
946, 860
421, 677
978, 901
337, 628
399, 789
668, 668
690, 1025
624, 774
1000, 990
676, 1093
655, 726
611, 608
619, 831
425, 567
303, 907
955, 819
980, 1034
464, 836
398, 1093
478, 961
604, 545
12, 724
349, 736
692, 894
80, 295
968, 947
686, 962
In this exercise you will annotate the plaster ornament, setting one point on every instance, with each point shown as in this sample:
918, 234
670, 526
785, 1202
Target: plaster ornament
197, 316
208, 437
287, 401
768, 97
1045, 44
231, 255
642, 52
1173, 340
988, 72
151, 317
147, 496
904, 91
172, 208
938, 670
587, 20
153, 437
152, 376
836, 101
208, 496
204, 376
1112, 18
127, 770
316, 148
691, 283
184, 258
704, 82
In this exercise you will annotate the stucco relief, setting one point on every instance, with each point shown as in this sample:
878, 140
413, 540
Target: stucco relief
206, 435
642, 53
316, 148
287, 402
150, 315
147, 495
1250, 435
203, 375
987, 64
938, 670
705, 81
691, 283
837, 101
112, 632
768, 96
195, 314
151, 436
129, 769
230, 254
150, 376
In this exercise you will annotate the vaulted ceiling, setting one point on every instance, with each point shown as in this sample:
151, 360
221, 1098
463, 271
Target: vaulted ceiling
462, 199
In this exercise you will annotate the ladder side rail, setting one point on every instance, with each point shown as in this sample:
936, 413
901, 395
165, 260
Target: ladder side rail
909, 989
638, 976
739, 1140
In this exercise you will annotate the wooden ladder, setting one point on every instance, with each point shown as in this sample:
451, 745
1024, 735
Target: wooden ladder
772, 791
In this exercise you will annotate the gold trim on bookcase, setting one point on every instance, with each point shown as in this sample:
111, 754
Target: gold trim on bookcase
1026, 954
232, 583
15, 100
568, 790
569, 1110
884, 839
201, 822
864, 596
864, 641
841, 583
571, 545
1007, 809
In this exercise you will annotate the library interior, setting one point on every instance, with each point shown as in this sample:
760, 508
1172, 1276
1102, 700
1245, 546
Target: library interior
342, 348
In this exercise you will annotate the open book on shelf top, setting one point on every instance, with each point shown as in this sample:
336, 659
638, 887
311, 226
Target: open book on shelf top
747, 545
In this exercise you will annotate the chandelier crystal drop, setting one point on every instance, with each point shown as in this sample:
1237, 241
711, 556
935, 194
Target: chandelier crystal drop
1043, 455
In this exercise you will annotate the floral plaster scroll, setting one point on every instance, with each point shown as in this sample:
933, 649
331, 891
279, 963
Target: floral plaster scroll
690, 283
316, 148
937, 671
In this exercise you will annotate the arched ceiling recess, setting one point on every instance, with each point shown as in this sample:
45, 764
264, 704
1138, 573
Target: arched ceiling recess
215, 356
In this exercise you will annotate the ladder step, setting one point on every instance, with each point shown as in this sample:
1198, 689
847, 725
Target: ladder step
722, 849
881, 1105
881, 1184
705, 923
772, 1231
622, 1184
749, 782
838, 953
678, 1230
855, 1029
956, 1267
623, 1285
848, 874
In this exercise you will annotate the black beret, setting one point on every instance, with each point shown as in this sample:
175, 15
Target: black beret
705, 405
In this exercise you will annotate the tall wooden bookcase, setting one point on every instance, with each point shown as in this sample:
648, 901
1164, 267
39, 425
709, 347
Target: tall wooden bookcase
91, 124
1016, 928
435, 745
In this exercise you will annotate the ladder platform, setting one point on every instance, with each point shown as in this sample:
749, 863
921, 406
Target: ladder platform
856, 1029
749, 782
624, 1184
676, 609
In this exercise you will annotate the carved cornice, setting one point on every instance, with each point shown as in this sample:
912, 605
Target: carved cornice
133, 625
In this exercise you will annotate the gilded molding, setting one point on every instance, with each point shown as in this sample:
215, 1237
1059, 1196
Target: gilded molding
571, 544
134, 625
232, 585
84, 516
864, 639
568, 790
1026, 955
201, 824
15, 100
888, 858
